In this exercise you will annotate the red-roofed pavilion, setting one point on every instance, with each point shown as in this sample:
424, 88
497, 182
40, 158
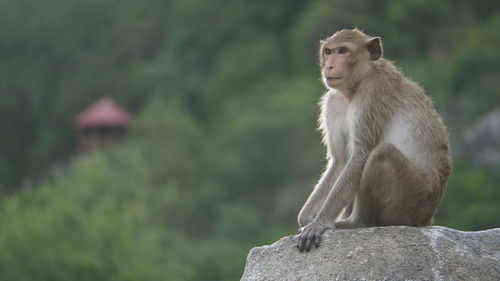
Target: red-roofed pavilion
102, 124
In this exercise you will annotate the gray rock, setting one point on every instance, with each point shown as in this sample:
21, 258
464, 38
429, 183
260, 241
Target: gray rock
382, 253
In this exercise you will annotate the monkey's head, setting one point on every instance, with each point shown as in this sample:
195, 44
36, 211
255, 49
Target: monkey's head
346, 56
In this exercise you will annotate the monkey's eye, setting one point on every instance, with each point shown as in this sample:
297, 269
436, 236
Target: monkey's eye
341, 50
327, 51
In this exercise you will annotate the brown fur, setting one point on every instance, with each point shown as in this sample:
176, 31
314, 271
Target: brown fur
387, 148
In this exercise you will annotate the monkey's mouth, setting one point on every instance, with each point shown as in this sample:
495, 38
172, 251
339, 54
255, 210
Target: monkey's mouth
333, 78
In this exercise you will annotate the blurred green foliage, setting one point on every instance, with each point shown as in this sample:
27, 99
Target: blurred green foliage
223, 150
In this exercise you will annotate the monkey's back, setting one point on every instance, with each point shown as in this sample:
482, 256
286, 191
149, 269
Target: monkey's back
416, 129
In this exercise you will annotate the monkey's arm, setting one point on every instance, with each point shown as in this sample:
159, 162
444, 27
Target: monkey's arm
342, 192
317, 198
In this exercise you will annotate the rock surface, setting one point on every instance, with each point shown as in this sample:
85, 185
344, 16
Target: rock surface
383, 253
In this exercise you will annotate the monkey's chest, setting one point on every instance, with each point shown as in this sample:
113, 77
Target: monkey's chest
337, 120
340, 138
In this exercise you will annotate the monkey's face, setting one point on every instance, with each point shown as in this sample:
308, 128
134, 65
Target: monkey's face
337, 64
346, 56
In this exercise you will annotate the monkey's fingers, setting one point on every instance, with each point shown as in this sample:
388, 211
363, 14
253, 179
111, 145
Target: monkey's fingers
304, 243
316, 241
301, 243
311, 238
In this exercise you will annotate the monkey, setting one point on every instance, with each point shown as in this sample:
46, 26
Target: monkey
388, 155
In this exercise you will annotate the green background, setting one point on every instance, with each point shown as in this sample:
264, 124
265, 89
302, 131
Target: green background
224, 148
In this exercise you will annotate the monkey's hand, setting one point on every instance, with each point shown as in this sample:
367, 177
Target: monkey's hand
310, 235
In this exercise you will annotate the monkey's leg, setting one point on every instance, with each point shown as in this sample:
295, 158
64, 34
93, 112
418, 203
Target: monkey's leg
393, 191
346, 221
348, 210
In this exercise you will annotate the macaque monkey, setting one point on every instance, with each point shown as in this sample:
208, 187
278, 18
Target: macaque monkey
387, 148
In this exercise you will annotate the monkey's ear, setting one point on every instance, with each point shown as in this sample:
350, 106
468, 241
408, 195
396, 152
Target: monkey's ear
374, 46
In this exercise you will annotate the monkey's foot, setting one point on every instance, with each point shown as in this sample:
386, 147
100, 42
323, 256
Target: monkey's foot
310, 235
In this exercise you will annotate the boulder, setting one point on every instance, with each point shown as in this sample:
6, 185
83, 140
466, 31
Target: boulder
381, 253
